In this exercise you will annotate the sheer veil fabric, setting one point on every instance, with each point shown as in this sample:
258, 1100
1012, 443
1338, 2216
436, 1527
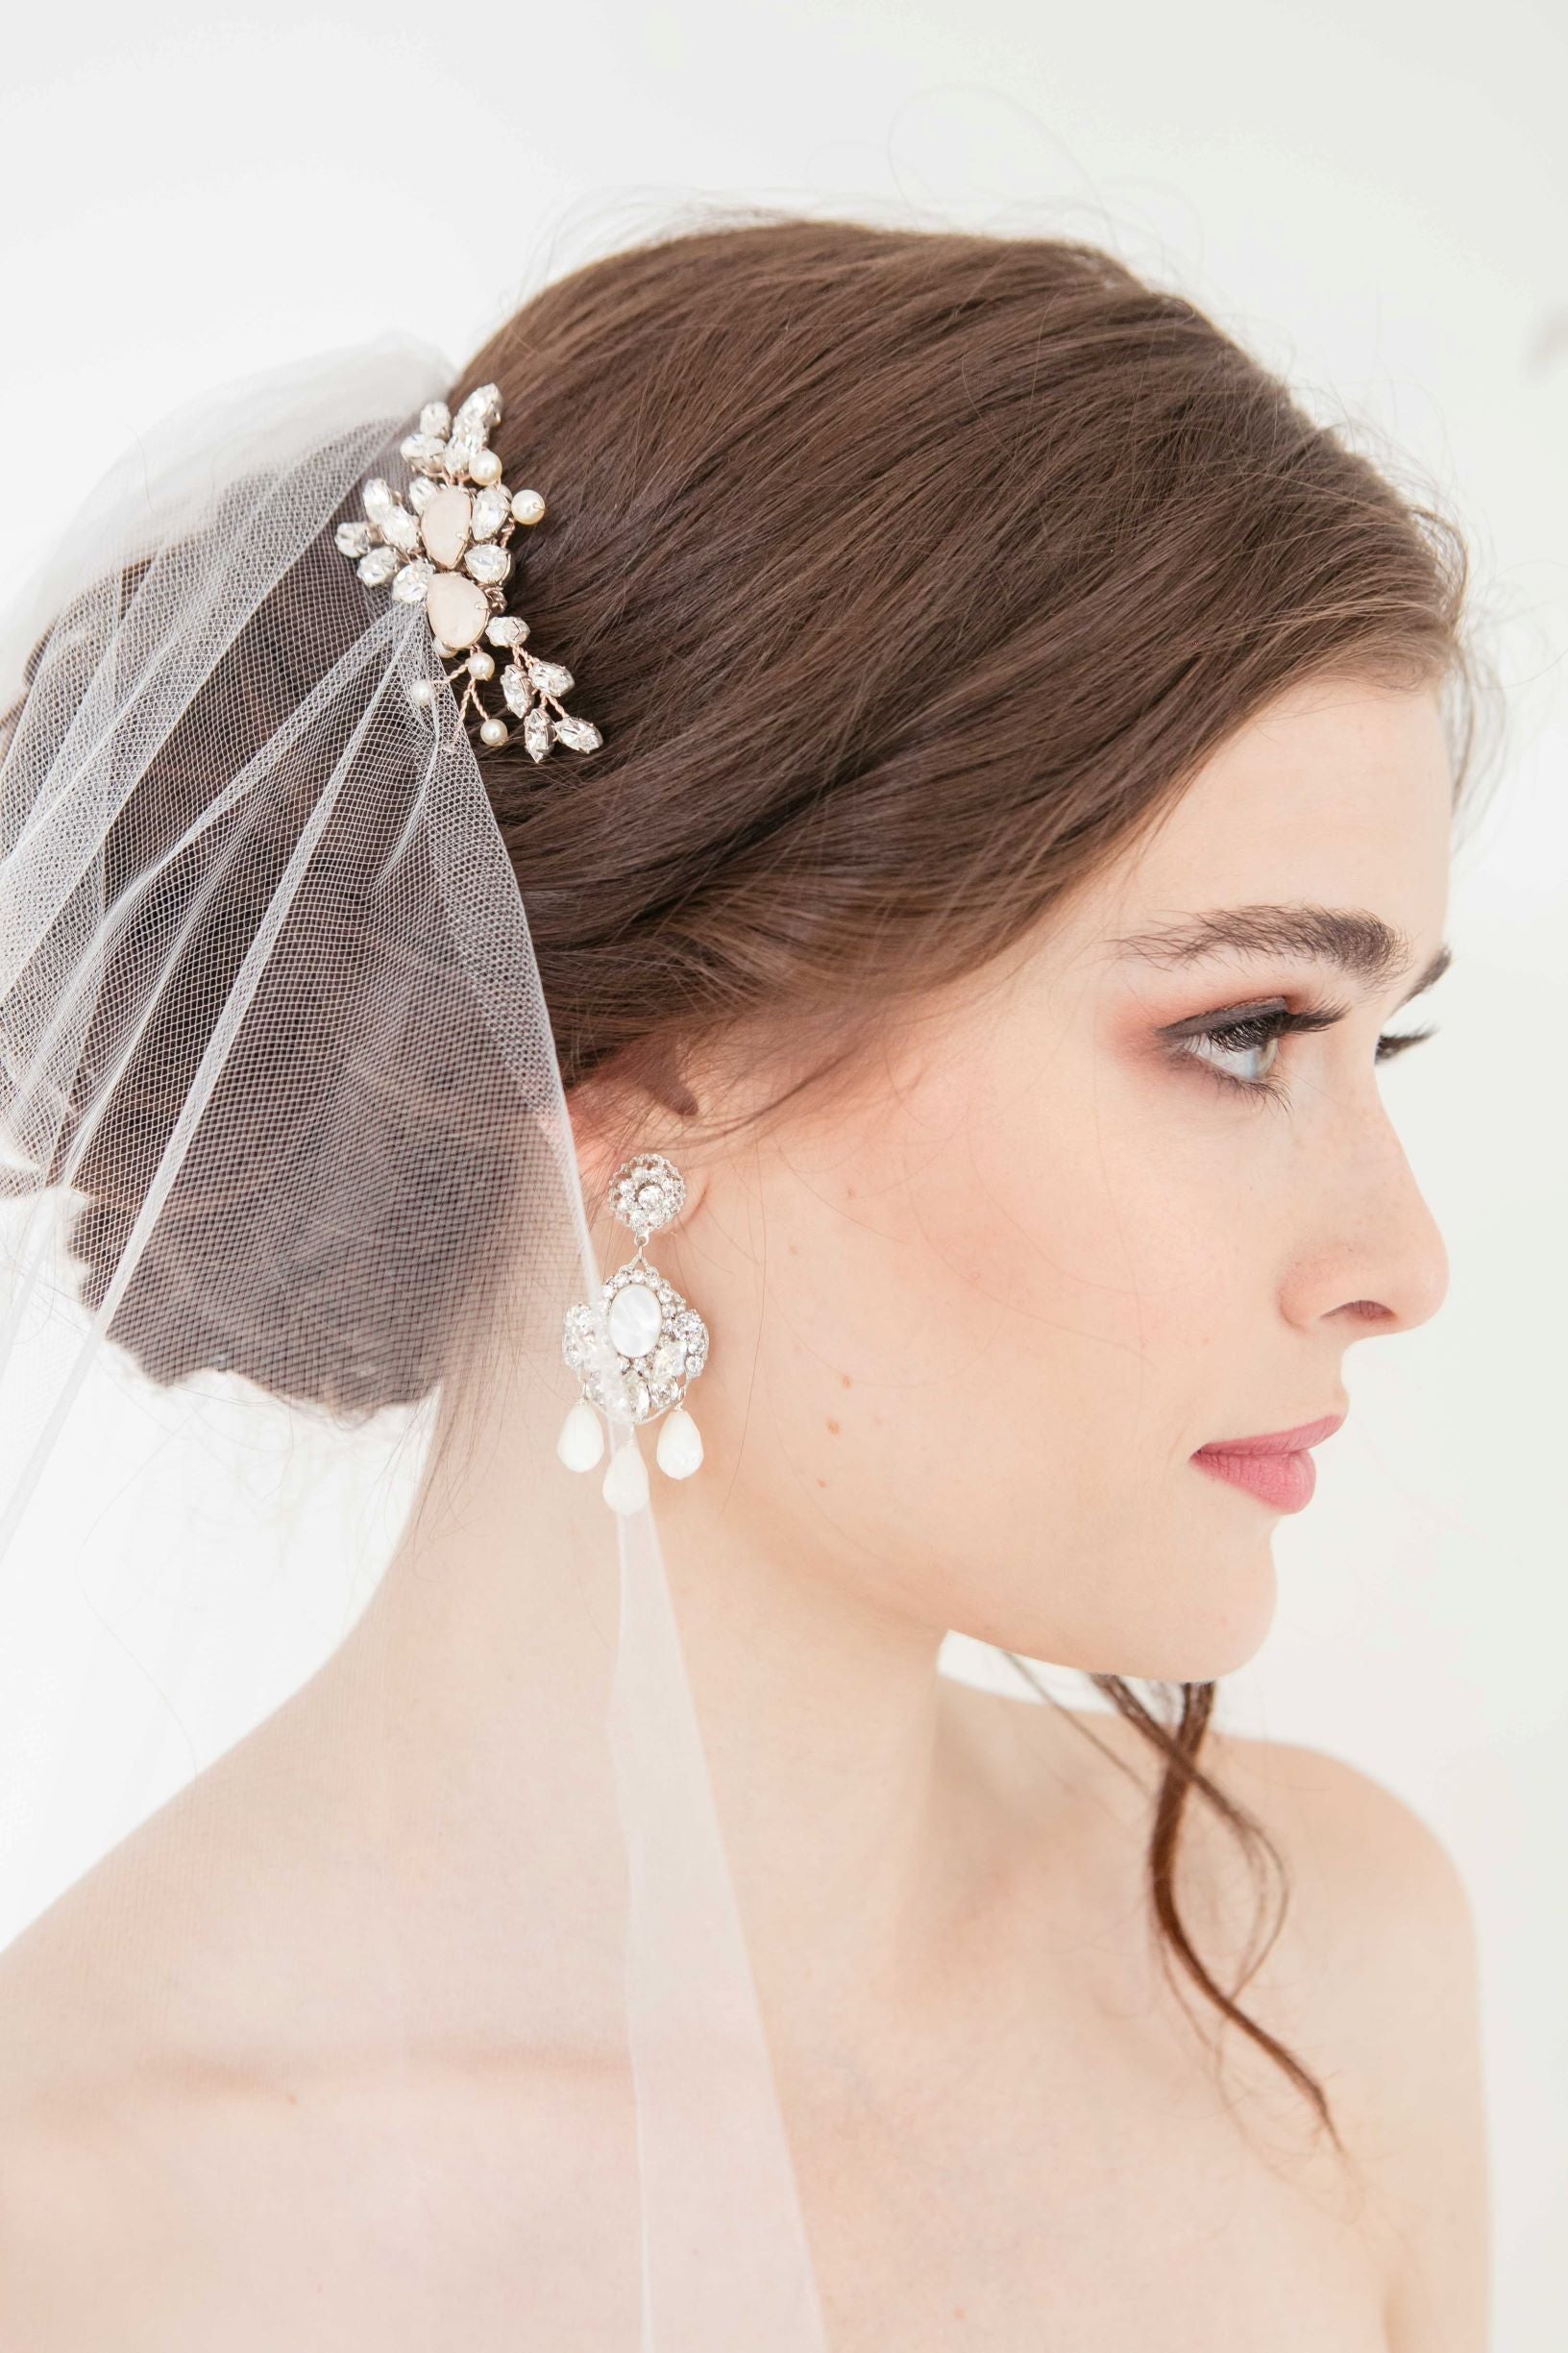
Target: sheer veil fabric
292, 1212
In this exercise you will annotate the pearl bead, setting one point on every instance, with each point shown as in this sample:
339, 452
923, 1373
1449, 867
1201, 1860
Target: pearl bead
481, 665
422, 692
485, 466
493, 731
528, 507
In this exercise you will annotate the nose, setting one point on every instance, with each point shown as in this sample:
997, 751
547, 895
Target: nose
1378, 1261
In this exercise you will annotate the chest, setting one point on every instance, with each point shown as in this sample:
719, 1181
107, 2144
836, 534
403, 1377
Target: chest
1162, 2233
1098, 2189
1099, 2181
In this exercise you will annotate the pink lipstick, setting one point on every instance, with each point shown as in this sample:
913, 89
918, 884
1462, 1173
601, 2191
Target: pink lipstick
1277, 1467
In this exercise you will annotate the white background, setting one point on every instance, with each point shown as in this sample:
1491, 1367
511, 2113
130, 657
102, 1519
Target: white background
1375, 197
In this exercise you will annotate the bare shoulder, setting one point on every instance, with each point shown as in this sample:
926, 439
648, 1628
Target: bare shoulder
1373, 1884
88, 2012
137, 2012
1380, 1959
1372, 1979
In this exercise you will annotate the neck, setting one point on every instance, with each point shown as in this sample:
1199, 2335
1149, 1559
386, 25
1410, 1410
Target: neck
493, 1637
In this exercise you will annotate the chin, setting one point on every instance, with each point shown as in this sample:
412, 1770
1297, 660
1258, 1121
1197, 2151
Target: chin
1184, 1659
1201, 1648
1200, 1632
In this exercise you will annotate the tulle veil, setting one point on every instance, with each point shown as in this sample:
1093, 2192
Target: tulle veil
290, 1198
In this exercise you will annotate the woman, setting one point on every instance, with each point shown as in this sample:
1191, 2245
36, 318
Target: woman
1016, 814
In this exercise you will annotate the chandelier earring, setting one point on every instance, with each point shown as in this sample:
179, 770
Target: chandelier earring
635, 1348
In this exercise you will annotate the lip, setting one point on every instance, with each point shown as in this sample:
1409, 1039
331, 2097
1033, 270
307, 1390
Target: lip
1275, 1467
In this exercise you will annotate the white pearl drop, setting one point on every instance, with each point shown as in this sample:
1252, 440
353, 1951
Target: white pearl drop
625, 1481
581, 1441
422, 692
680, 1444
493, 732
481, 665
528, 507
486, 466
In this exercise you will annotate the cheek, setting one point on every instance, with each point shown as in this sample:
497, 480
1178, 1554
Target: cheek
1095, 1216
994, 1327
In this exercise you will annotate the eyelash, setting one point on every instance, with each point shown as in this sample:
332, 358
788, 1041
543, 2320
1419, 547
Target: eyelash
1245, 1031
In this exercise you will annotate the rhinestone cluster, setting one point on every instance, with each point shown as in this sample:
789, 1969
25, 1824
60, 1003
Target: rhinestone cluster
635, 1386
649, 1193
449, 549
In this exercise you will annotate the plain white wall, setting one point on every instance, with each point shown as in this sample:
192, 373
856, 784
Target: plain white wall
1375, 197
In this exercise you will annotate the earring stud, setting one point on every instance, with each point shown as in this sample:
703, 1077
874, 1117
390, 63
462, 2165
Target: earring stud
636, 1347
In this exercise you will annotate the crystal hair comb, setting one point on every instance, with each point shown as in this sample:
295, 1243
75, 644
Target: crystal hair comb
448, 551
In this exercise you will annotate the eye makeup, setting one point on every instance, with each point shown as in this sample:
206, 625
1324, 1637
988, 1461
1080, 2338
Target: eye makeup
1258, 1029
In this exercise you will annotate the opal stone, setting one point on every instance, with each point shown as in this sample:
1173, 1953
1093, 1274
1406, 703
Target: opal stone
458, 608
635, 1320
445, 527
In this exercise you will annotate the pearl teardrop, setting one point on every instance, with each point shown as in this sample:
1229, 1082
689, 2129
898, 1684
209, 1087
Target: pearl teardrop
581, 1441
680, 1444
625, 1481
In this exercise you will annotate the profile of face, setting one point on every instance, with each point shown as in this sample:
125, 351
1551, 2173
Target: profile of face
1093, 1211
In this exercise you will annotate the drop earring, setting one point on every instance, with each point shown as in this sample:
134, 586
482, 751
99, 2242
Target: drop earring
636, 1347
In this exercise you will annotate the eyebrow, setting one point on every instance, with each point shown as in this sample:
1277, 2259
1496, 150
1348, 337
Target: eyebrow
1349, 938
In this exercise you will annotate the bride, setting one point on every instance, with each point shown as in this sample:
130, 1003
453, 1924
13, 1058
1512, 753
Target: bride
1012, 830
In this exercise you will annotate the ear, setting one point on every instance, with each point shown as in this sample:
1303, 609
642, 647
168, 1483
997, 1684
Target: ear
645, 1105
610, 1124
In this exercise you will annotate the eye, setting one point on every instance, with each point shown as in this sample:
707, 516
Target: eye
1251, 1042
1251, 1039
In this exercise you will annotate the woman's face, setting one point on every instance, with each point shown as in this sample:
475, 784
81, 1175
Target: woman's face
970, 1330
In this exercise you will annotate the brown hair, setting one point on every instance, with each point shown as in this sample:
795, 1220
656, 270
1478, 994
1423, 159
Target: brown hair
912, 575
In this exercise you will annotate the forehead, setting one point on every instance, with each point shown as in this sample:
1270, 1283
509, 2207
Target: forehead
1339, 794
